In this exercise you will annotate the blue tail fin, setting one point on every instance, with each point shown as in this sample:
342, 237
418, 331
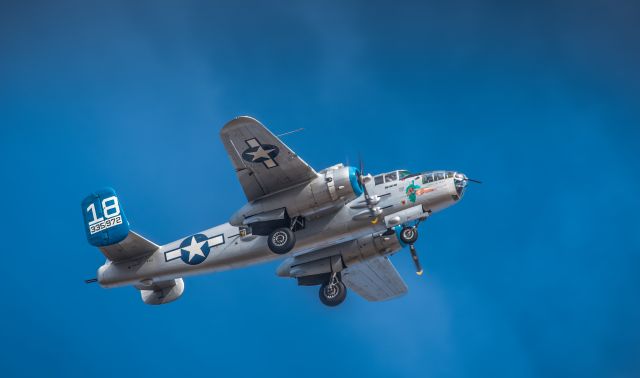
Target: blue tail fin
104, 219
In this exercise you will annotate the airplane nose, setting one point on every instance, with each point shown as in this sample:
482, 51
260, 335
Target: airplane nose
460, 181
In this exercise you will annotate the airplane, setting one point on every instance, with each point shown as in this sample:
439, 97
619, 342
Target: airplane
336, 228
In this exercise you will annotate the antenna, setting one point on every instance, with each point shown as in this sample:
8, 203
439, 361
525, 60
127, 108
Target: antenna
290, 132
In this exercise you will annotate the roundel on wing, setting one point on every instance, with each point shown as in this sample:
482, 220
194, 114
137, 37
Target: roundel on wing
260, 153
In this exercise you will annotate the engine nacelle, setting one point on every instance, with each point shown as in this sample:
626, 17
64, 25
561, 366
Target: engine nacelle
340, 256
333, 187
339, 183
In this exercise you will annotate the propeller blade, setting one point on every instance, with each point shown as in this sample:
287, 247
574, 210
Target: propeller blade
367, 198
360, 177
414, 256
476, 181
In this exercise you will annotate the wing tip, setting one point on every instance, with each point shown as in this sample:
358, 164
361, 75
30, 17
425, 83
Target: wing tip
239, 121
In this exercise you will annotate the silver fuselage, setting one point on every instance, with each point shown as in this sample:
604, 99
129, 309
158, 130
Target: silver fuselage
326, 229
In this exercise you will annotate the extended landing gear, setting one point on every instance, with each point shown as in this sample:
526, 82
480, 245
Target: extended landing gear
281, 240
333, 292
409, 235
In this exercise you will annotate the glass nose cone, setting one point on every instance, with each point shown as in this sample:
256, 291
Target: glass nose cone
460, 181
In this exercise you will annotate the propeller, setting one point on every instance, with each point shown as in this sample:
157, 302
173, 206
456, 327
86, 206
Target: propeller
412, 248
369, 200
416, 261
462, 181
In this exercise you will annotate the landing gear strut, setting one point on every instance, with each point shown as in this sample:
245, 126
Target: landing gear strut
409, 235
333, 292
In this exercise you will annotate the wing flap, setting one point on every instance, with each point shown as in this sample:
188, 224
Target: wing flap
263, 163
375, 280
133, 246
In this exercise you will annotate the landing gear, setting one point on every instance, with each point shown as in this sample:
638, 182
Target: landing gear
333, 292
409, 235
281, 240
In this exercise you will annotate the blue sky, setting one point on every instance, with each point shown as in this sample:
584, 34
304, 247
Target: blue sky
534, 273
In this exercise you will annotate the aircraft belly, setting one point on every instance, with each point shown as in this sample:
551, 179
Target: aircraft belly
171, 261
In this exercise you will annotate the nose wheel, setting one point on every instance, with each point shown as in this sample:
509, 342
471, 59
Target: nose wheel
333, 292
409, 235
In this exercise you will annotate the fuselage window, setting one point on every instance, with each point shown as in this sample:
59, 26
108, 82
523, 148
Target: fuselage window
390, 177
379, 180
427, 178
404, 174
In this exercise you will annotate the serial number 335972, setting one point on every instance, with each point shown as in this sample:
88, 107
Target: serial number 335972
102, 225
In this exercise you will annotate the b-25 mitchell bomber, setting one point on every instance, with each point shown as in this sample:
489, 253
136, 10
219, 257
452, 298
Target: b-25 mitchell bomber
335, 228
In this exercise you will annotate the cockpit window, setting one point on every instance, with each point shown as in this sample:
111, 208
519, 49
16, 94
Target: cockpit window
379, 179
449, 174
403, 174
439, 175
390, 177
427, 178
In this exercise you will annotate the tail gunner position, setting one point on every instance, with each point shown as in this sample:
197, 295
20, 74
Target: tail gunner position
335, 228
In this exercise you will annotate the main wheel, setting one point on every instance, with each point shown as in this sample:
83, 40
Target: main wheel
332, 294
409, 235
281, 240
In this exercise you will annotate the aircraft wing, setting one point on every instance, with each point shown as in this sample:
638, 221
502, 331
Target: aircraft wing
375, 279
263, 163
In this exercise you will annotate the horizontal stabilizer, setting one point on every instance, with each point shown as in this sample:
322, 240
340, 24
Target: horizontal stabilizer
131, 247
